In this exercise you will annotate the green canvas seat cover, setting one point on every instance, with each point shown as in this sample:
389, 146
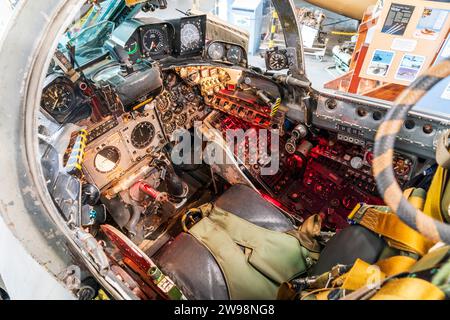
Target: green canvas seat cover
255, 261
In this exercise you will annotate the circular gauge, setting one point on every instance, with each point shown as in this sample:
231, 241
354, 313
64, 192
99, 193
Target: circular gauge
154, 41
170, 127
216, 51
166, 116
177, 109
356, 162
401, 166
142, 135
162, 103
107, 159
190, 36
235, 54
278, 61
181, 119
57, 98
131, 47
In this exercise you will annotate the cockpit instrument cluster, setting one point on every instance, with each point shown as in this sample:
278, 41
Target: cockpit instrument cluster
116, 145
227, 52
144, 38
180, 105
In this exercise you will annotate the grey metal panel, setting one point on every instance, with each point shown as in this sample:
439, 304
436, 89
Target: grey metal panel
345, 114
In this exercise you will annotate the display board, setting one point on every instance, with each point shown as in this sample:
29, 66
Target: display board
406, 40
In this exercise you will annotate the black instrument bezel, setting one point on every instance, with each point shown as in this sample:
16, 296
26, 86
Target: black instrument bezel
168, 31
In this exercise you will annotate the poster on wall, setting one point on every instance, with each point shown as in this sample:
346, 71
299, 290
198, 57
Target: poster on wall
409, 67
409, 35
380, 63
431, 23
397, 19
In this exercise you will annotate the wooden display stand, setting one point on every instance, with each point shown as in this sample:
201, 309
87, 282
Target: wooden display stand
351, 81
404, 45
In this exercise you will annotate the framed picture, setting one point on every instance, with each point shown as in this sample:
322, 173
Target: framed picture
397, 19
431, 23
409, 67
380, 63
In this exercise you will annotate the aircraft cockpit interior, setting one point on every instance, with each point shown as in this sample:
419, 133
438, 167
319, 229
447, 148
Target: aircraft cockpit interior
184, 163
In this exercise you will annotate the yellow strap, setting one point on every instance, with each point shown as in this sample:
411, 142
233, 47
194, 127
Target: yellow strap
409, 289
396, 265
417, 198
390, 226
362, 273
433, 202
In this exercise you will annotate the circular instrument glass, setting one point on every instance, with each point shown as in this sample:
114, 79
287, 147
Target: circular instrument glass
278, 61
154, 41
181, 119
166, 116
131, 47
356, 162
216, 51
235, 54
57, 98
190, 36
107, 159
142, 135
170, 127
178, 108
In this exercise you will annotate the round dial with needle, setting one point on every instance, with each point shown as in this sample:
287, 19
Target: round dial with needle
216, 51
57, 98
142, 135
154, 41
278, 61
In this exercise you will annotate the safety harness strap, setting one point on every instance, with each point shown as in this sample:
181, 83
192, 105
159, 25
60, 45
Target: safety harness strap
432, 206
390, 226
362, 273
409, 289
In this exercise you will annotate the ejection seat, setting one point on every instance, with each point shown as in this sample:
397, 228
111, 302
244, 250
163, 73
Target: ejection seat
195, 270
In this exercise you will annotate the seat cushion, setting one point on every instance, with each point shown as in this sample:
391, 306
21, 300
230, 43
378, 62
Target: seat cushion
191, 265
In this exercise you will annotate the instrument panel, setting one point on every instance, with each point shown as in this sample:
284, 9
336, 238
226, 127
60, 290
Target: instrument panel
116, 145
145, 38
180, 105
357, 121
